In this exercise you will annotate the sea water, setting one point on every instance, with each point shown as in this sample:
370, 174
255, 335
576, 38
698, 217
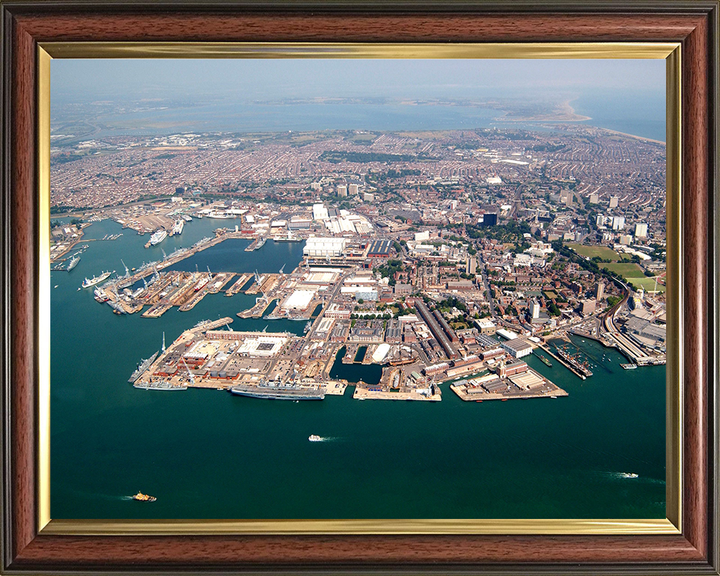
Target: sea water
209, 454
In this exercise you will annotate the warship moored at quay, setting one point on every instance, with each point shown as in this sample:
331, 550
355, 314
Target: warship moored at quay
159, 385
73, 262
144, 365
278, 391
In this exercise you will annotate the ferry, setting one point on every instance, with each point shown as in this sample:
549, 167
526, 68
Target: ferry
314, 438
87, 283
140, 497
178, 227
158, 237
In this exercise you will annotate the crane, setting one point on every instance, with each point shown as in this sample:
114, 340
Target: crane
192, 377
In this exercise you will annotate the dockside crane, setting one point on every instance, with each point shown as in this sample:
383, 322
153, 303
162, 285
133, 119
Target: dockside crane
192, 376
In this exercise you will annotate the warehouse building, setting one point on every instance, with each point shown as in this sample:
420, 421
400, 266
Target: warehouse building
317, 247
298, 300
517, 348
380, 249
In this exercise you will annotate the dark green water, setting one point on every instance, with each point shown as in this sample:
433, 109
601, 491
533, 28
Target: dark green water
207, 454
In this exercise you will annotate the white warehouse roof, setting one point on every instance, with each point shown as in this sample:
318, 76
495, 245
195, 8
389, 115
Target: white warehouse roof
298, 300
316, 246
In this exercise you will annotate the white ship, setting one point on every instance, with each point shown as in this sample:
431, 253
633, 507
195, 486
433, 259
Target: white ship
73, 262
187, 218
159, 385
100, 295
158, 237
87, 283
220, 215
178, 227
201, 284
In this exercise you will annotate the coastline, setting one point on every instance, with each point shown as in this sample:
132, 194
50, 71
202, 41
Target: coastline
564, 113
632, 136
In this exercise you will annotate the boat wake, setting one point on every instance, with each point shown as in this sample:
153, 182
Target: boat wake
323, 438
624, 475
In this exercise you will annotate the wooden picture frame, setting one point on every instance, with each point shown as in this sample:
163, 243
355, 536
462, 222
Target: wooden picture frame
26, 549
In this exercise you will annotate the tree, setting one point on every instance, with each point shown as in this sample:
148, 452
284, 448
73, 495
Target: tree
613, 300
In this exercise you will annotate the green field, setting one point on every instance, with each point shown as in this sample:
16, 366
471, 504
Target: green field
648, 284
625, 269
591, 251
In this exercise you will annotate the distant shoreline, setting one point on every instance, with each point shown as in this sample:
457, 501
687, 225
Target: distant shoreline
632, 135
563, 113
616, 131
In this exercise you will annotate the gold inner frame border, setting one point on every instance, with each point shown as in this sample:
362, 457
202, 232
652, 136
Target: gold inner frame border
669, 51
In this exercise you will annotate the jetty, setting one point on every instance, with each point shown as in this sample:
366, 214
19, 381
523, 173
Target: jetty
565, 363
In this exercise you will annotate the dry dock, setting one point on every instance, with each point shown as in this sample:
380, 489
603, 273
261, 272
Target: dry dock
239, 285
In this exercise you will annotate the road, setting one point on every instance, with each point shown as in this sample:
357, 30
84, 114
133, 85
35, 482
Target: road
486, 283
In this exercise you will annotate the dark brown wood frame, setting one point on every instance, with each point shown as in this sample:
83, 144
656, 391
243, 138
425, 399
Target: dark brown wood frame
694, 24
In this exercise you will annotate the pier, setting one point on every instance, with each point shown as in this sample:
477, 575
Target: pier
258, 310
564, 363
530, 384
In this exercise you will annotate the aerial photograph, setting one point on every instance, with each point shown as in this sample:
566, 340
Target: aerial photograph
380, 288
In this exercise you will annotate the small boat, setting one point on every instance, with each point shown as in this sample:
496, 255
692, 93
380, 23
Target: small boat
140, 497
314, 438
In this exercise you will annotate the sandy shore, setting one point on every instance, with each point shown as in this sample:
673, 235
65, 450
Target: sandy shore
564, 113
633, 136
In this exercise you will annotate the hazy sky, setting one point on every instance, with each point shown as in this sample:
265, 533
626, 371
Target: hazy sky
269, 79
